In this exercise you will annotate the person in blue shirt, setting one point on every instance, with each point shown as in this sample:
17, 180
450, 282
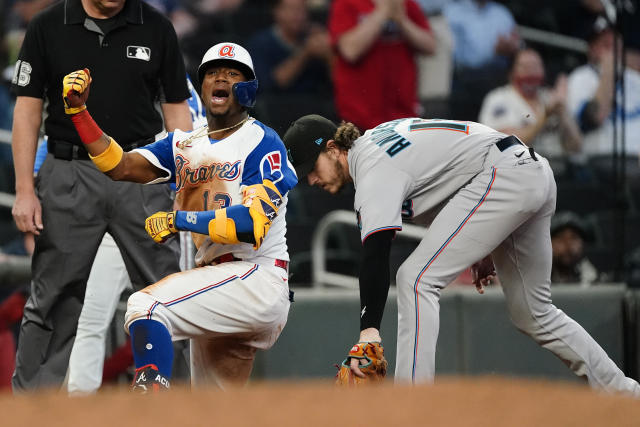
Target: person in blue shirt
485, 37
292, 59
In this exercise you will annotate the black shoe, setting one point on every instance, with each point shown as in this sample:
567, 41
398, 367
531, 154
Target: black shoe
147, 379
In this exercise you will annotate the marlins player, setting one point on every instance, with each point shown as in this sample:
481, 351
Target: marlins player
232, 176
494, 199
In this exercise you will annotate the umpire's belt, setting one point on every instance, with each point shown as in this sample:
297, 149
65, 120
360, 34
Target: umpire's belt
507, 142
67, 151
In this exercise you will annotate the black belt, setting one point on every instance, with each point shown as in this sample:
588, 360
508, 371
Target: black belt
510, 141
68, 151
507, 142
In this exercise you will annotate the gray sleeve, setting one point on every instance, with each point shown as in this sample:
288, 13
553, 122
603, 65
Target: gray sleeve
378, 201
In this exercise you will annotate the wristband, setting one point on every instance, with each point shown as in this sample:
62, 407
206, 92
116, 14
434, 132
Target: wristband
87, 129
109, 158
74, 110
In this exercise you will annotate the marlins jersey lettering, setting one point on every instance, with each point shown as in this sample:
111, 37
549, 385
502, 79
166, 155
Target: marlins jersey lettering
210, 174
411, 166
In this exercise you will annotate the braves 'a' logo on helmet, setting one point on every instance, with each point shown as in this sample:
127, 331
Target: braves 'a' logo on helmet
226, 51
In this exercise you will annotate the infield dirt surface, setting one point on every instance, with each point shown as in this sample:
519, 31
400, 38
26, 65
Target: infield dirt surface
481, 401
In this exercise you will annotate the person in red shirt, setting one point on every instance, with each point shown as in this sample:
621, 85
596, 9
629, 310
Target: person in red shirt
375, 76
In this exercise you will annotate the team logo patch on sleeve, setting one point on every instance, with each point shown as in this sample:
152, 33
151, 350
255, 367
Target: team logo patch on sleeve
275, 161
271, 166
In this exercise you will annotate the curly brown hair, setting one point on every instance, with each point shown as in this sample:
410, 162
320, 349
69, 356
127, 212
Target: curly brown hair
346, 133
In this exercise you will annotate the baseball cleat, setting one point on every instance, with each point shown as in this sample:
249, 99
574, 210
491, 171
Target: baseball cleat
147, 379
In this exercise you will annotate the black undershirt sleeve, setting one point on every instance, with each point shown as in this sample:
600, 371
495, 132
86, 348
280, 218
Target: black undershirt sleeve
374, 278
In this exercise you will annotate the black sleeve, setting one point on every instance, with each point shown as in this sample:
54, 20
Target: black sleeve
173, 73
31, 68
374, 278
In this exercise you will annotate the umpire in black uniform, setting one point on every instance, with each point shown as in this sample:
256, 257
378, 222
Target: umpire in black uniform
132, 50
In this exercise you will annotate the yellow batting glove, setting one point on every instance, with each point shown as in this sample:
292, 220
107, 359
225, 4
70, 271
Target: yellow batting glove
75, 91
161, 225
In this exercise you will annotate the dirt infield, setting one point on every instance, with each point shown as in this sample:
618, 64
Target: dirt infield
450, 402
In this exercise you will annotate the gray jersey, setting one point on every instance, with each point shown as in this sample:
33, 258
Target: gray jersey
492, 199
406, 167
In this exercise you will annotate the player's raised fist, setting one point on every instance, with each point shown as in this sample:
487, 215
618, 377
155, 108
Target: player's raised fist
75, 91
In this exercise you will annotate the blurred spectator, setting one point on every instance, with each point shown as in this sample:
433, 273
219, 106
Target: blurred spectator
18, 15
591, 94
485, 37
575, 18
434, 81
6, 101
11, 306
632, 268
6, 106
375, 76
21, 14
292, 60
536, 115
183, 21
229, 20
570, 265
10, 314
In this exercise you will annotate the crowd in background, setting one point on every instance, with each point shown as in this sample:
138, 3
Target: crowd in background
463, 59
369, 61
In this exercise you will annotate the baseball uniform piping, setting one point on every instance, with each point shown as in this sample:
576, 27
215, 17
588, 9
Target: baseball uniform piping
223, 282
433, 258
390, 227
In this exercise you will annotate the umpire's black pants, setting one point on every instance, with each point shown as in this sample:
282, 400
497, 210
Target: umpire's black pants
80, 204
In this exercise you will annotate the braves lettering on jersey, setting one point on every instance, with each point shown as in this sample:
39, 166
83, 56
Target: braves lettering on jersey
210, 174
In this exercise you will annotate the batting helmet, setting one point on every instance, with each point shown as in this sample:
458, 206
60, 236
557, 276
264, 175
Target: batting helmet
245, 92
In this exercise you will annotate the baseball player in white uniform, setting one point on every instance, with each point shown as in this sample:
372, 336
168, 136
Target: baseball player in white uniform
107, 280
494, 199
232, 179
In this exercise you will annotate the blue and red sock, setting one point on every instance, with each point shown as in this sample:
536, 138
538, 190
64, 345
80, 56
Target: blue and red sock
151, 344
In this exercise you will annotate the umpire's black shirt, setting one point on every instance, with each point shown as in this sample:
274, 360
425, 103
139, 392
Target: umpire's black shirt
131, 65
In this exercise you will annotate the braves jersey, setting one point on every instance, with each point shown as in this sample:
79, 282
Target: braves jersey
210, 174
407, 167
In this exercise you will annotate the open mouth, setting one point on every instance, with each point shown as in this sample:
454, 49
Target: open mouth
220, 96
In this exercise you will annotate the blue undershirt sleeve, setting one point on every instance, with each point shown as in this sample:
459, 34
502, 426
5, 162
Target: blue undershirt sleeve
198, 222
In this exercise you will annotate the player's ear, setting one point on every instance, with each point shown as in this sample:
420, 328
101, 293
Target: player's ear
331, 145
